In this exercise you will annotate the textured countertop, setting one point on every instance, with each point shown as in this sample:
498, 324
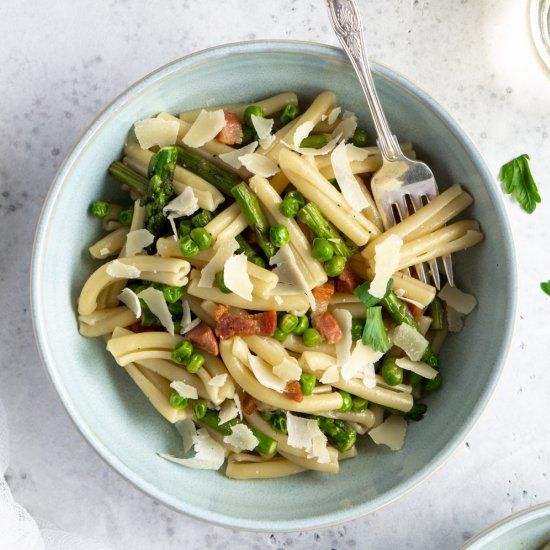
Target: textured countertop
63, 61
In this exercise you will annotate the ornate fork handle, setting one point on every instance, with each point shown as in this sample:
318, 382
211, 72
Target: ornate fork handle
346, 21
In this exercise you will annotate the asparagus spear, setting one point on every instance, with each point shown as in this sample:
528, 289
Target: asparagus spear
255, 217
436, 313
266, 445
124, 174
160, 190
245, 248
338, 432
321, 227
401, 314
207, 170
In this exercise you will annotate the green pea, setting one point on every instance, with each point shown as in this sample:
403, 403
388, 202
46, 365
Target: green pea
221, 283
417, 412
279, 235
202, 218
288, 322
347, 402
182, 352
322, 249
252, 110
308, 382
184, 228
303, 324
258, 260
414, 378
335, 266
315, 141
359, 405
100, 208
280, 335
311, 337
357, 326
195, 362
126, 215
176, 309
296, 195
360, 137
392, 374
289, 113
172, 294
200, 407
249, 135
435, 384
278, 423
201, 237
188, 247
177, 401
289, 208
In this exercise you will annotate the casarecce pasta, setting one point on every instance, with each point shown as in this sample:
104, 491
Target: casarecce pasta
260, 310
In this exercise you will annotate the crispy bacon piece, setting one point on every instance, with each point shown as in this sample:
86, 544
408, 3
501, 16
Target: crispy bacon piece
203, 337
347, 281
232, 132
293, 390
415, 310
249, 404
323, 294
328, 327
220, 310
229, 324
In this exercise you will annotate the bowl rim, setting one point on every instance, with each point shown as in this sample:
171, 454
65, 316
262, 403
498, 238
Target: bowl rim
38, 252
507, 524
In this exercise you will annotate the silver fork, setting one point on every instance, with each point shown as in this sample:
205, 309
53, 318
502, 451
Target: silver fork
400, 179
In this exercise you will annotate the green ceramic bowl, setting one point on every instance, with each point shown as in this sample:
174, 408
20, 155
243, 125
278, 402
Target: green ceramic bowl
110, 411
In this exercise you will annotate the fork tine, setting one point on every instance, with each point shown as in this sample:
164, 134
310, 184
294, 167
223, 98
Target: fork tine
448, 266
435, 273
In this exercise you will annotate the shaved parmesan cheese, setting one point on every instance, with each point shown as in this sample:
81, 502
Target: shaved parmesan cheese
209, 455
418, 367
217, 381
288, 370
346, 180
156, 131
186, 428
184, 204
236, 277
267, 142
390, 433
424, 324
237, 400
386, 261
343, 347
224, 251
409, 340
264, 374
356, 153
259, 165
185, 317
205, 128
129, 298
263, 126
228, 411
305, 434
361, 364
157, 304
454, 319
333, 115
184, 390
331, 375
301, 132
137, 240
458, 300
242, 438
232, 158
347, 127
119, 270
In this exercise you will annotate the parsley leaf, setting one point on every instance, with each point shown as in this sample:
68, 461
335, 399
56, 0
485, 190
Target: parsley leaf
374, 332
362, 292
546, 287
517, 179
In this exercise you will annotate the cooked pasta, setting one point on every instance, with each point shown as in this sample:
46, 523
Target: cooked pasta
243, 287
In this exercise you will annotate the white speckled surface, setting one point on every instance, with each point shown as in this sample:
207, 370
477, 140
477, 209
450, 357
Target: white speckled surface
64, 61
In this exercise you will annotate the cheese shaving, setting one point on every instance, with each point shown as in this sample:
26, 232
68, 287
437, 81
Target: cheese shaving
460, 301
184, 204
232, 158
386, 261
205, 128
228, 411
390, 433
129, 298
263, 126
119, 270
305, 434
137, 240
333, 115
237, 401
288, 370
224, 251
331, 375
361, 364
263, 373
187, 429
301, 132
156, 131
409, 340
347, 127
267, 142
418, 367
236, 277
184, 390
424, 324
209, 455
217, 381
343, 173
356, 153
259, 164
242, 438
157, 304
